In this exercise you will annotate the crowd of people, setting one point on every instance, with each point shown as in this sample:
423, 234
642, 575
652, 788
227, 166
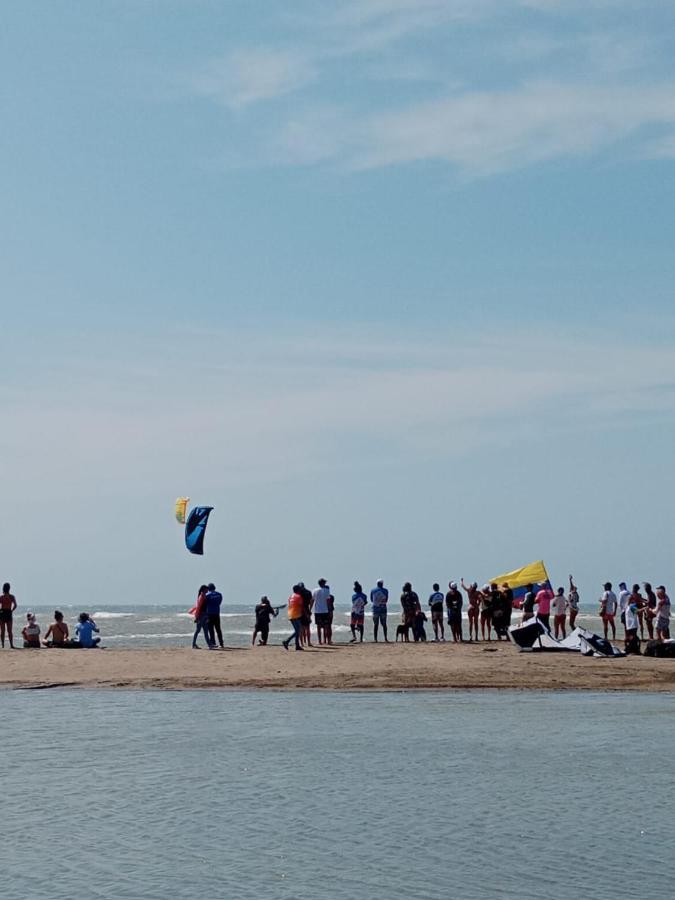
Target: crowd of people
57, 634
489, 609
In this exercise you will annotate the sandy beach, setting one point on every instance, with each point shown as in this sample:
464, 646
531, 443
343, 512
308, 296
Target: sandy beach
343, 667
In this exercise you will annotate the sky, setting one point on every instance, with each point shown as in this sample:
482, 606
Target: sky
389, 283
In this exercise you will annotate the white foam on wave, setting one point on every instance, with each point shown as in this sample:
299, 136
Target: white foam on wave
111, 615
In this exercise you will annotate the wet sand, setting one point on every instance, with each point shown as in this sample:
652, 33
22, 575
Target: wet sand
342, 667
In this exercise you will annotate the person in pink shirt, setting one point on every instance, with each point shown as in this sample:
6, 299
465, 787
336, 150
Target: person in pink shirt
543, 601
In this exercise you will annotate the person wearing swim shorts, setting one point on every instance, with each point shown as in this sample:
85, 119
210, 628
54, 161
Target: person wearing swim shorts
7, 607
320, 597
57, 631
359, 601
662, 614
543, 600
436, 606
379, 597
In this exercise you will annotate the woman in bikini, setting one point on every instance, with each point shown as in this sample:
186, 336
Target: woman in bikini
57, 631
7, 607
473, 598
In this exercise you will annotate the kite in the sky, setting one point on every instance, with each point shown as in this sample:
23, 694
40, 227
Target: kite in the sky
181, 506
195, 529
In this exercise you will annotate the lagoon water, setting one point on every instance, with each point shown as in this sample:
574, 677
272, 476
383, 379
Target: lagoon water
330, 796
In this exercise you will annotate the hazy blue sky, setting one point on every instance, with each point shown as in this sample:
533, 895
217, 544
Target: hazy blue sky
387, 282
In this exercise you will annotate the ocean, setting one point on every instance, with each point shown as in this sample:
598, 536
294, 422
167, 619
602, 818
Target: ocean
325, 796
172, 626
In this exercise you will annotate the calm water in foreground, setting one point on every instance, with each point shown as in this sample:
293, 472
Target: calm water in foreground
355, 796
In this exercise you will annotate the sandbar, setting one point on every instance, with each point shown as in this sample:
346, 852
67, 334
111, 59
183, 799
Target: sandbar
343, 667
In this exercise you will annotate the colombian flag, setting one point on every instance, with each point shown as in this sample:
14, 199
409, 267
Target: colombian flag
519, 579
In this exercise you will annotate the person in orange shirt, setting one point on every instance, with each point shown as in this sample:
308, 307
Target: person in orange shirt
295, 613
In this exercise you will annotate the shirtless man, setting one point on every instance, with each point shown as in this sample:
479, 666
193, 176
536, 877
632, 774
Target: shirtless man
474, 598
58, 631
7, 607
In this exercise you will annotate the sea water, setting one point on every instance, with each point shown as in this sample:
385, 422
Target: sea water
328, 796
172, 626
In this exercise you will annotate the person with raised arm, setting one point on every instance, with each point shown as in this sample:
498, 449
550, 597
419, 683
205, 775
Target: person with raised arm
573, 603
473, 596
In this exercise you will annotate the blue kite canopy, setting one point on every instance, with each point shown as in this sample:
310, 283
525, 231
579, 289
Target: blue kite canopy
195, 529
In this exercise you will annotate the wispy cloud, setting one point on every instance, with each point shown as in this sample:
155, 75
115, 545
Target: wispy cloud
483, 86
248, 76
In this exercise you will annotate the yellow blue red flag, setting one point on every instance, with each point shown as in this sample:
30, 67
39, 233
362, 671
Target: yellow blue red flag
535, 573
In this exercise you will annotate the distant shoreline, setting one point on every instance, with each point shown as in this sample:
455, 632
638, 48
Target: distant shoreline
344, 667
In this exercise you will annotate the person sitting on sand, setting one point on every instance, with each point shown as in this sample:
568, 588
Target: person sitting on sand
7, 607
85, 629
31, 633
57, 631
264, 611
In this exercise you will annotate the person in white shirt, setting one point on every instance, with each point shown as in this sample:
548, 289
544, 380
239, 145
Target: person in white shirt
558, 606
632, 624
624, 599
608, 604
320, 597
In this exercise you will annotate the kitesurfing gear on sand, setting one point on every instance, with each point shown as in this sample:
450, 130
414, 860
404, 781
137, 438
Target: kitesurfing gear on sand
195, 529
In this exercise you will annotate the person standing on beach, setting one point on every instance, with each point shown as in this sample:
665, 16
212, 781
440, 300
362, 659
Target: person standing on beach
528, 603
436, 606
379, 597
264, 611
473, 599
507, 594
410, 603
650, 607
624, 599
359, 601
329, 620
608, 609
543, 600
453, 604
295, 609
486, 612
559, 613
632, 621
640, 604
306, 622
320, 597
573, 603
7, 607
212, 602
662, 614
201, 618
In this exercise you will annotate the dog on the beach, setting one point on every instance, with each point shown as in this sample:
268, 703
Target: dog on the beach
403, 633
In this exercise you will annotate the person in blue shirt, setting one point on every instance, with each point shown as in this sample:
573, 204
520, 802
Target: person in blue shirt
212, 603
379, 597
85, 629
